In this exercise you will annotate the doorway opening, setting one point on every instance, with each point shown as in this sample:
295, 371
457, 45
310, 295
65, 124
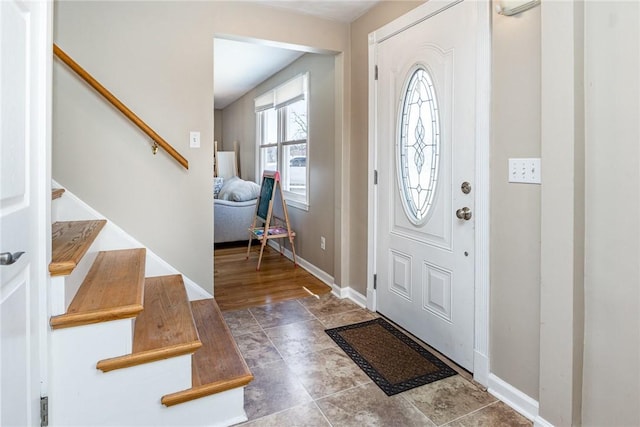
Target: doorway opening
240, 121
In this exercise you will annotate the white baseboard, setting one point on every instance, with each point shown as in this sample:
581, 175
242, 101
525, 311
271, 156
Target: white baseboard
69, 207
541, 422
513, 397
323, 276
351, 294
326, 278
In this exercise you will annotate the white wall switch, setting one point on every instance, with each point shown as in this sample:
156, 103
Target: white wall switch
194, 139
526, 171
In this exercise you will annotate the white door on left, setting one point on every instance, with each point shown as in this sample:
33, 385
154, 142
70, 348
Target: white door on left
25, 64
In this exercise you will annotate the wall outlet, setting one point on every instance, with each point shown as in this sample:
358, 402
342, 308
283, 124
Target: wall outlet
322, 243
194, 139
526, 171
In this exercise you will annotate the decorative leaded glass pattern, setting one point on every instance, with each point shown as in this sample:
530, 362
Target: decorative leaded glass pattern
418, 146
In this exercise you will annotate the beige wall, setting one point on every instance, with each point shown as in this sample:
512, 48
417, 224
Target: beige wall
611, 390
239, 123
139, 51
217, 128
515, 208
562, 207
572, 291
381, 14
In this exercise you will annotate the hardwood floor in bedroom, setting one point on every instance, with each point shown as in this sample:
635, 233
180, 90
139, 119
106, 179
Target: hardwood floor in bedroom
238, 285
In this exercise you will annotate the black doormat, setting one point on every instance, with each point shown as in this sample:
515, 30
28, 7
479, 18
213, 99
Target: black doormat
391, 359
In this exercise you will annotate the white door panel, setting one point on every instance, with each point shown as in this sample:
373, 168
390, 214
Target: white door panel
424, 261
24, 44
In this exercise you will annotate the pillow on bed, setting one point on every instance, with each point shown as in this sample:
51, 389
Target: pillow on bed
238, 190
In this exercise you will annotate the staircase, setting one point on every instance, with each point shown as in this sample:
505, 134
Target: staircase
127, 349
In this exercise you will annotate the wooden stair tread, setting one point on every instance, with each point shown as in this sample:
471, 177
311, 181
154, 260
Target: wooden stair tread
113, 289
220, 357
217, 366
56, 193
165, 328
70, 241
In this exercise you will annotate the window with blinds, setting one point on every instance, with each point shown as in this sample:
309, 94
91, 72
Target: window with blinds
282, 136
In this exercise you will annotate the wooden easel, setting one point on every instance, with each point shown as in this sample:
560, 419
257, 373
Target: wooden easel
273, 227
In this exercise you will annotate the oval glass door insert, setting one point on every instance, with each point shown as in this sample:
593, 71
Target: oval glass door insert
418, 146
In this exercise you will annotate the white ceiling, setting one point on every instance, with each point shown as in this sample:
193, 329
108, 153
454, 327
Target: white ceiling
241, 66
336, 10
238, 67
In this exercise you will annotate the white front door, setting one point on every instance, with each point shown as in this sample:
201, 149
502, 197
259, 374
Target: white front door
425, 151
25, 49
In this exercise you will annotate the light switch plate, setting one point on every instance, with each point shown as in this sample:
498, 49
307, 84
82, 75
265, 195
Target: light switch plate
525, 171
194, 139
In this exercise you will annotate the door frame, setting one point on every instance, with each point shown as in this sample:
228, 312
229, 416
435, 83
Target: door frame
44, 187
481, 184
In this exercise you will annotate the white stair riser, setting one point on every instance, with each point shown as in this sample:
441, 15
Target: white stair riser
57, 296
218, 410
76, 347
80, 394
64, 288
117, 398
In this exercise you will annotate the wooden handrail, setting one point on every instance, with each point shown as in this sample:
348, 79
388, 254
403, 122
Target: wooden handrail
119, 105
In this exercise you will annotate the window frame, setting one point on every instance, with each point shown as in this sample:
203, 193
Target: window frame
293, 199
410, 204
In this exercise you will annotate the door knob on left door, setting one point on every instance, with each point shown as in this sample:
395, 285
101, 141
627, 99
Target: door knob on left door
464, 213
8, 258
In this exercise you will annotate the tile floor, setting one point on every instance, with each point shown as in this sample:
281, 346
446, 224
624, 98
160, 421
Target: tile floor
302, 378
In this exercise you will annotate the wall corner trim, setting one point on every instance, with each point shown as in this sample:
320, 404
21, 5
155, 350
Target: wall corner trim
516, 399
350, 293
481, 368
